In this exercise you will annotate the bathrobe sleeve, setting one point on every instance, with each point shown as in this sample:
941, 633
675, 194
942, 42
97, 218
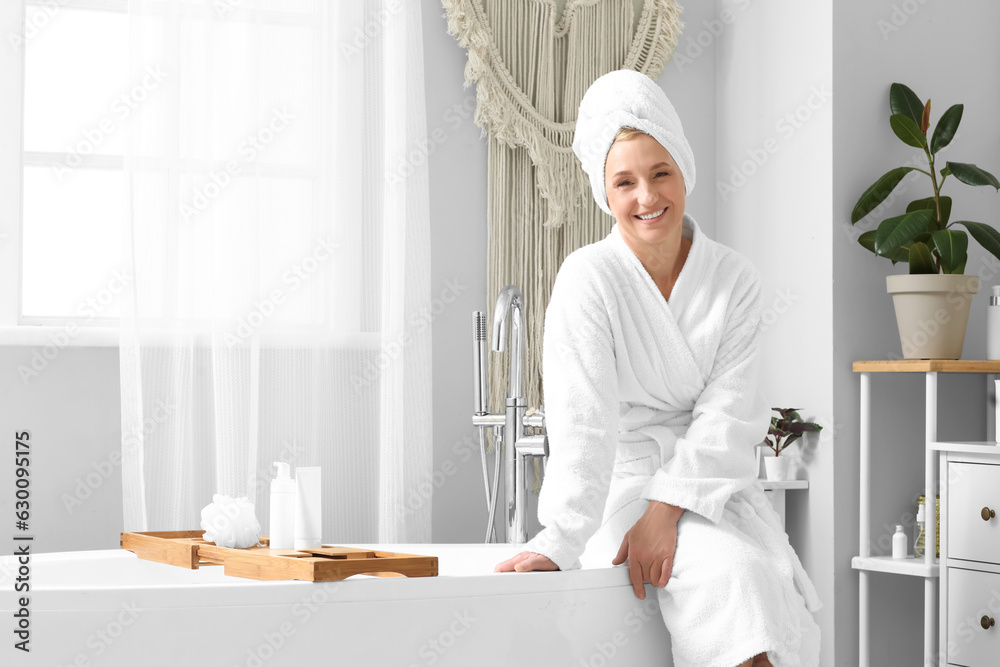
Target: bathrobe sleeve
581, 414
715, 458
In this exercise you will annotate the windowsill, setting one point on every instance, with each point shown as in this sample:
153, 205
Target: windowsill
43, 335
57, 336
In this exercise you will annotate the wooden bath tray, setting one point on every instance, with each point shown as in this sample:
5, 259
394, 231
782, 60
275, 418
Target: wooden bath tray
187, 549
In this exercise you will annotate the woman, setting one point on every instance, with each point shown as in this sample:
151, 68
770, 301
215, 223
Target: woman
650, 371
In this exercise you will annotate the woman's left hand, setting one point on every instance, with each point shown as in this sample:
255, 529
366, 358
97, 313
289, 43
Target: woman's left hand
527, 561
649, 547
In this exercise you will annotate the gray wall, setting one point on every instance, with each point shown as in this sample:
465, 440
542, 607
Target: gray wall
71, 408
946, 52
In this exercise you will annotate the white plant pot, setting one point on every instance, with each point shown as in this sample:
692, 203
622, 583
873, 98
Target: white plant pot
932, 311
777, 468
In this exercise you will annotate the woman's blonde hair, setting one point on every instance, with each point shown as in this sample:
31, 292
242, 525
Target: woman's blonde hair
627, 132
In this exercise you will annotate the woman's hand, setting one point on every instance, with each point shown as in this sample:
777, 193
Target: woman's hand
526, 561
649, 547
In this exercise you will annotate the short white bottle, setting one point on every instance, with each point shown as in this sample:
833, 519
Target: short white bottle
282, 524
993, 325
899, 542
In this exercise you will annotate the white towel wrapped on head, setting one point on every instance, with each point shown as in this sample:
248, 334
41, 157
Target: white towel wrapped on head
626, 98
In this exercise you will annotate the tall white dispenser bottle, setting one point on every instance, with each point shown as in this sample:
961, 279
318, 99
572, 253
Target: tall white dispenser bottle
282, 523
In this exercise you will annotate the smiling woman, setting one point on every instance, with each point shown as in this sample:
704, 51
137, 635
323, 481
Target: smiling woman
647, 200
651, 377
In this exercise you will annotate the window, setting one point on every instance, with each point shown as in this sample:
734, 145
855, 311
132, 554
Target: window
63, 192
76, 100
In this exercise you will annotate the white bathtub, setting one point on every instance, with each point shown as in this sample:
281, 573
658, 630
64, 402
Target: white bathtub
111, 608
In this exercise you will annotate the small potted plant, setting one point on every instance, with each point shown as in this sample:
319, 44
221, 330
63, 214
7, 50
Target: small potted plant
932, 300
784, 430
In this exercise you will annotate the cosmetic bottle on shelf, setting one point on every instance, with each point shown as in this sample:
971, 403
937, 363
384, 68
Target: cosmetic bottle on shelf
993, 325
899, 542
918, 532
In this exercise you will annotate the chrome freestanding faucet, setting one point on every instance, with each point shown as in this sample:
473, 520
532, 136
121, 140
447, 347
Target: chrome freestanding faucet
508, 317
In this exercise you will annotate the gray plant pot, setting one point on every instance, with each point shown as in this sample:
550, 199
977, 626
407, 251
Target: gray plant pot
932, 311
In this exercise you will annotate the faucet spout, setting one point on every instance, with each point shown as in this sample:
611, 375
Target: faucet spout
510, 306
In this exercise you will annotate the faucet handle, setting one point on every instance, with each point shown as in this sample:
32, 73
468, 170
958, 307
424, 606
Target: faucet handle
535, 418
532, 445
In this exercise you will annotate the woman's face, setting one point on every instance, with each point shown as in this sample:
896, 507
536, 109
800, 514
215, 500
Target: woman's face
642, 179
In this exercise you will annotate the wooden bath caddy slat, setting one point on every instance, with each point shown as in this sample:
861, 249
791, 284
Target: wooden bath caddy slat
187, 549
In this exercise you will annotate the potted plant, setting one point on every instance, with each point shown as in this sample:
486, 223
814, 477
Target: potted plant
932, 300
784, 430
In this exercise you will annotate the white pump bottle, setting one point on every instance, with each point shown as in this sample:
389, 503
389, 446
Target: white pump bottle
282, 525
993, 325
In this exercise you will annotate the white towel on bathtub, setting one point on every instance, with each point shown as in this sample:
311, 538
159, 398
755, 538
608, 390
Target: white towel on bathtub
653, 399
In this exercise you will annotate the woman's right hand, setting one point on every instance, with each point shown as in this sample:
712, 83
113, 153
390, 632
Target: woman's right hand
526, 561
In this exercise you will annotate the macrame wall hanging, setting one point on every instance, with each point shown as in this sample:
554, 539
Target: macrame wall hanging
530, 74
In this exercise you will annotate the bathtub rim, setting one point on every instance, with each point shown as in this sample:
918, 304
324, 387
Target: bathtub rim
243, 592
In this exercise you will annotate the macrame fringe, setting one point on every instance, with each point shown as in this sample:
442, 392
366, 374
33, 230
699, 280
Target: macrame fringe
530, 73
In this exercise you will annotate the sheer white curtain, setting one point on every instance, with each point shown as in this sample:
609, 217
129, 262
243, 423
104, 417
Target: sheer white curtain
279, 251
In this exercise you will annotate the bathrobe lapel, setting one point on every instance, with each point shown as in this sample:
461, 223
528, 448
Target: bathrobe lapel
660, 359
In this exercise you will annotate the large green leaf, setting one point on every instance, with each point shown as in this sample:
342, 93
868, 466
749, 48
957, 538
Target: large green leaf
970, 174
985, 235
946, 126
907, 130
952, 247
877, 193
894, 232
904, 101
867, 240
929, 204
921, 260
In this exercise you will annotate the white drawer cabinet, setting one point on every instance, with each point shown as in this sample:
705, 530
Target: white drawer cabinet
973, 611
970, 553
974, 512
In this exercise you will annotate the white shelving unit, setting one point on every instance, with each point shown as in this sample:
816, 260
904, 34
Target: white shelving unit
928, 567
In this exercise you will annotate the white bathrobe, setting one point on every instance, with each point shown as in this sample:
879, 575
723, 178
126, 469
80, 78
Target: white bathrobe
654, 399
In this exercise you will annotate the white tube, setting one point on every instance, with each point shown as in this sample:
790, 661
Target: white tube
308, 509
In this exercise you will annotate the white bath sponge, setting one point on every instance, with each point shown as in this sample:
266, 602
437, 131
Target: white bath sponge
230, 522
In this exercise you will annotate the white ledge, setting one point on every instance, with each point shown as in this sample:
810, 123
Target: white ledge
58, 336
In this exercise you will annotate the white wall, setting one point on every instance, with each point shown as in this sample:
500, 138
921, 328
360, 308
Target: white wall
773, 186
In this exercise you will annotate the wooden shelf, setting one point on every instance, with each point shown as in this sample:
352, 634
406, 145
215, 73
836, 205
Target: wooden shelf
927, 366
913, 567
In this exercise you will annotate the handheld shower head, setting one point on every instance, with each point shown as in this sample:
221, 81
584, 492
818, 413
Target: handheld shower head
480, 395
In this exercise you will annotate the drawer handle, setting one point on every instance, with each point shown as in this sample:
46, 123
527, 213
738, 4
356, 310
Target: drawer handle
986, 622
987, 514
